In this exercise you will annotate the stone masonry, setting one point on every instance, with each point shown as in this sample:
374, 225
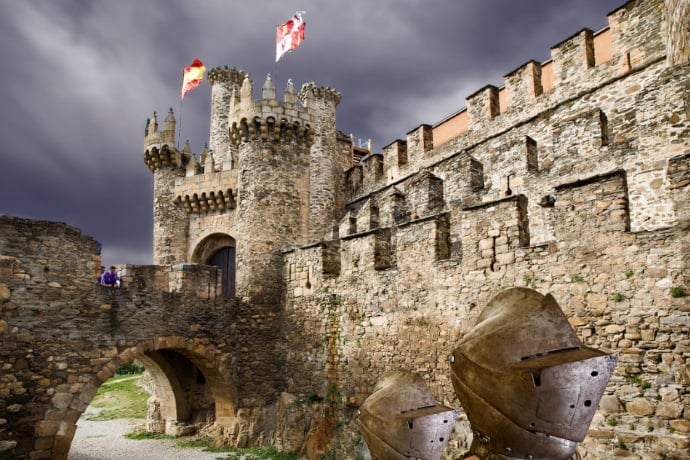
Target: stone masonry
580, 190
573, 178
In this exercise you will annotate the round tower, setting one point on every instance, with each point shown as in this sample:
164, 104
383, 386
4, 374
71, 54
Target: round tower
676, 29
224, 83
273, 188
326, 181
170, 223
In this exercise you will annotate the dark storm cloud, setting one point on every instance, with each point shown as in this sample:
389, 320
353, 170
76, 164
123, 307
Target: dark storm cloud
81, 77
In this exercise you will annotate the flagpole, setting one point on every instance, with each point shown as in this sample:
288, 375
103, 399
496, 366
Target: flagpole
275, 73
179, 125
179, 111
275, 62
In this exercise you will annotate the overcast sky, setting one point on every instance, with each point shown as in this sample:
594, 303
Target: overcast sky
80, 77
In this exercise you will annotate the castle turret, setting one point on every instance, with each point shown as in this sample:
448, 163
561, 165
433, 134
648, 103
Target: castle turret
273, 182
170, 223
268, 91
168, 134
223, 82
676, 30
327, 161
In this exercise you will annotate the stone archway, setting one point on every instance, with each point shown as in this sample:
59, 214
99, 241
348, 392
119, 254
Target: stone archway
162, 356
219, 250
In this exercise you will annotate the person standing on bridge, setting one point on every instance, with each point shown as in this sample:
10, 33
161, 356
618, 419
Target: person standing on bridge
111, 278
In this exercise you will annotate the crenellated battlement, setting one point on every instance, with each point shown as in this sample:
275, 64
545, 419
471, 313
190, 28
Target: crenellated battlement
269, 129
224, 74
310, 90
167, 136
207, 193
244, 106
163, 156
579, 65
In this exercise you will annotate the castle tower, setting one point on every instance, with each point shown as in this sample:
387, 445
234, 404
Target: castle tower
170, 223
273, 141
224, 83
271, 180
676, 30
326, 169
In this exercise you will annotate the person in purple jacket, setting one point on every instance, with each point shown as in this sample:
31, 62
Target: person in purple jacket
111, 278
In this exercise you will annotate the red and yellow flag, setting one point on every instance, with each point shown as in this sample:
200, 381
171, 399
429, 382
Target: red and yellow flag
192, 76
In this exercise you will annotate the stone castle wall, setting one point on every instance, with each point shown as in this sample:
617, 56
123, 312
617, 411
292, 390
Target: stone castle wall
580, 191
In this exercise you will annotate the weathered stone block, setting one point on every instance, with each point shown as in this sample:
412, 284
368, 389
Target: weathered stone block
669, 409
640, 406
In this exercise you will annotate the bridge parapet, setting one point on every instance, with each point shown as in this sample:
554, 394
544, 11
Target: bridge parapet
62, 334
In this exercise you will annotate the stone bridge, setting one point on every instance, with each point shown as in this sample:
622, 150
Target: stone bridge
62, 336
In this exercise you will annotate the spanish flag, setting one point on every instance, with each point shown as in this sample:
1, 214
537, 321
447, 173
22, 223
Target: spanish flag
192, 76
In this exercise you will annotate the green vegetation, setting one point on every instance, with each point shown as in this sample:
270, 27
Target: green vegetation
634, 379
129, 369
577, 278
678, 291
206, 444
629, 273
138, 436
119, 397
617, 297
313, 397
612, 422
529, 281
252, 453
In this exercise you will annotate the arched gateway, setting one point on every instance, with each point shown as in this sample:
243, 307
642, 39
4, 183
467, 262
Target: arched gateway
190, 390
219, 250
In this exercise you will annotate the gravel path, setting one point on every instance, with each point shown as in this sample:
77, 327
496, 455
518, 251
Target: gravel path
106, 441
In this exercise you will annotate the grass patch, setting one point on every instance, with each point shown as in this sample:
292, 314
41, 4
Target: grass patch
205, 444
262, 453
250, 453
634, 379
119, 397
141, 435
678, 291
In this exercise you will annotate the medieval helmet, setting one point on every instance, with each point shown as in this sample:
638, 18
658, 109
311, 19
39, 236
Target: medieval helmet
527, 383
401, 420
